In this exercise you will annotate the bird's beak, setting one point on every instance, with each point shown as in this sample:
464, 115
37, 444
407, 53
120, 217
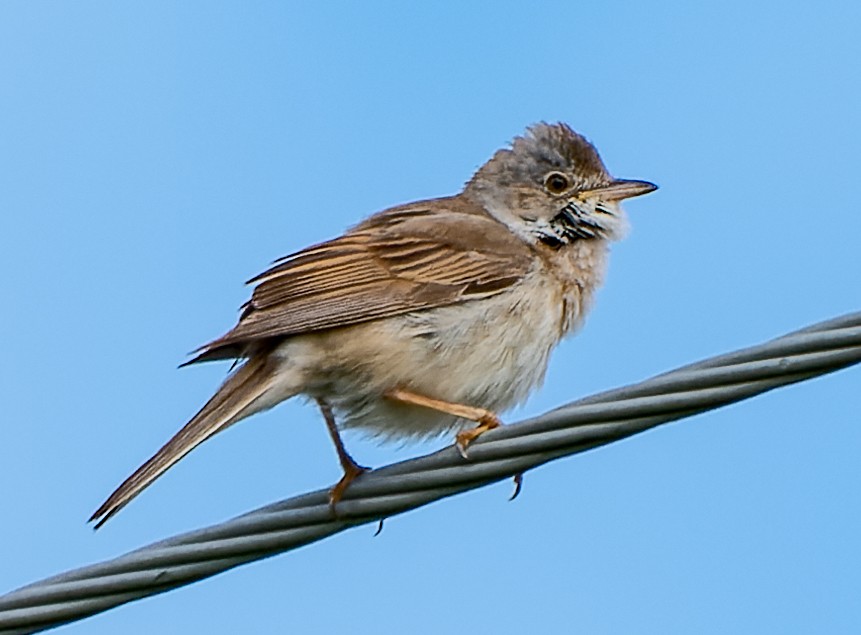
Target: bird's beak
619, 190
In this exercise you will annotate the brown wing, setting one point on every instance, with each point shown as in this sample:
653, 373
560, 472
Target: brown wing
400, 260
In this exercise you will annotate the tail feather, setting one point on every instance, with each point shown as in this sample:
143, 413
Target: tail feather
227, 406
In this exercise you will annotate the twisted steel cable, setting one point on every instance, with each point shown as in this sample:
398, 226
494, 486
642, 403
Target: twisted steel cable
499, 454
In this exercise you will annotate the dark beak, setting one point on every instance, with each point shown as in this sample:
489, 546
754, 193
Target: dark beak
619, 190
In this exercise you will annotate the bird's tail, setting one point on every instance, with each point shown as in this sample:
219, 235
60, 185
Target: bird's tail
235, 400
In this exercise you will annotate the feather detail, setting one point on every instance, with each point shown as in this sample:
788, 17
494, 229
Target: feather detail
401, 260
233, 401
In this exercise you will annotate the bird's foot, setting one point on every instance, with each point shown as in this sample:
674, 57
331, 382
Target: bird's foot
486, 421
518, 485
352, 470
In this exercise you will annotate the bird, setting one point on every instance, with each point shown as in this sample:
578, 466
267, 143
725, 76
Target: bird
425, 318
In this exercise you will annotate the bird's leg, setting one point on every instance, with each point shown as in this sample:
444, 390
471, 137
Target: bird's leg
485, 419
350, 467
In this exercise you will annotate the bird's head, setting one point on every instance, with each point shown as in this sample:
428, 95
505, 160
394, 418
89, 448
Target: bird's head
551, 186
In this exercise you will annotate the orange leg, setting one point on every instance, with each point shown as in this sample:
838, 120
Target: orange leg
485, 419
350, 467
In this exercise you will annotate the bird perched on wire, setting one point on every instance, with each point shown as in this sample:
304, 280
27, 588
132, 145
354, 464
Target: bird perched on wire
427, 317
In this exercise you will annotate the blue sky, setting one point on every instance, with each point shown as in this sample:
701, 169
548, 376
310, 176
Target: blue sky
153, 156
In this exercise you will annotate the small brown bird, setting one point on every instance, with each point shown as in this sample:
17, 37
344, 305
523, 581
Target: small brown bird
427, 317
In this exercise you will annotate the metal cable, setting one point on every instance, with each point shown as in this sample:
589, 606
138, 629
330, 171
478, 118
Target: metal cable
501, 453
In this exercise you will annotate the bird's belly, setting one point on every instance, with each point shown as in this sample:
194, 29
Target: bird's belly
488, 353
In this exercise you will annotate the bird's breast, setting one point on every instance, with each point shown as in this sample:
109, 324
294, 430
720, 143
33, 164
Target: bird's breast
577, 270
489, 353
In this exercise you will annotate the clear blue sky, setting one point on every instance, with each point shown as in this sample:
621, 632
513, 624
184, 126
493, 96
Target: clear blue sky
155, 155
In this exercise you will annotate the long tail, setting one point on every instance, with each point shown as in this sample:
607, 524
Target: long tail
232, 402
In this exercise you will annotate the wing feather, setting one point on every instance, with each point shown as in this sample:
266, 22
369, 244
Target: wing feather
399, 261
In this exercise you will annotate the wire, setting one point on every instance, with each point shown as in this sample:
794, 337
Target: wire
498, 454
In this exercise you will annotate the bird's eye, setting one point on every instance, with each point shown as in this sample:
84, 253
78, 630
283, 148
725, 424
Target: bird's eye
556, 183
